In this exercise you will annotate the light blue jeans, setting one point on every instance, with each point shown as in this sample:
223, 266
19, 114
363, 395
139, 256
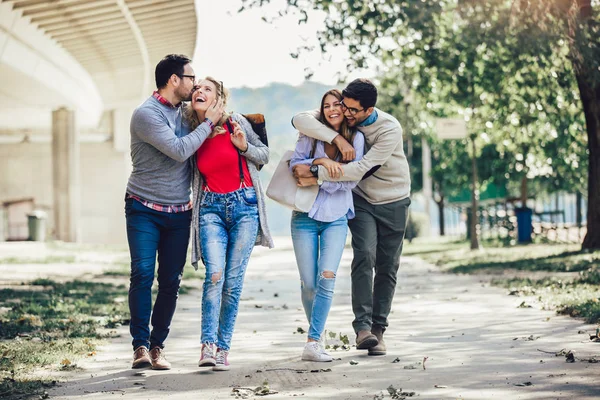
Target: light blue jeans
318, 247
228, 229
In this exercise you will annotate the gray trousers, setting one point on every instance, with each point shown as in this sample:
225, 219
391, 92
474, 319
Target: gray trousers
377, 237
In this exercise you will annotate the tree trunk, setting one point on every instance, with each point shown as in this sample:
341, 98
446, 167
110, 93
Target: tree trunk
440, 205
589, 91
524, 191
474, 201
590, 97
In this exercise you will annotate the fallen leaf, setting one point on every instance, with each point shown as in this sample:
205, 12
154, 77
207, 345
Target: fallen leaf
398, 394
352, 362
524, 384
570, 357
524, 305
396, 360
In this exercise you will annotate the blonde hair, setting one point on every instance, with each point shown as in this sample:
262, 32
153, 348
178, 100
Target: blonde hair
192, 118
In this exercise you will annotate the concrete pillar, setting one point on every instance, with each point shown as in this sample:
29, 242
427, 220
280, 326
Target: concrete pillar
122, 136
65, 175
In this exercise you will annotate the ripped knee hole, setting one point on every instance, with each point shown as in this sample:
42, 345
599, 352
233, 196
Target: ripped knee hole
215, 277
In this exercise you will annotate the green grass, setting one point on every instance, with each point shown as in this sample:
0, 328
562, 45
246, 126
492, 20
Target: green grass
62, 310
52, 324
578, 295
494, 257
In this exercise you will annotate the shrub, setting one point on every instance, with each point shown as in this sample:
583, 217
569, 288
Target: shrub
417, 225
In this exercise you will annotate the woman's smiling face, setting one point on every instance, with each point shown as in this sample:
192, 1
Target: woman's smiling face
204, 95
333, 111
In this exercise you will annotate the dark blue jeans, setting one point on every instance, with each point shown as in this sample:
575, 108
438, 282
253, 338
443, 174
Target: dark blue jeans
150, 232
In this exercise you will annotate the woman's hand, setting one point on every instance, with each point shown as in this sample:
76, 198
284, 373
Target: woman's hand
238, 137
333, 168
215, 111
348, 153
305, 182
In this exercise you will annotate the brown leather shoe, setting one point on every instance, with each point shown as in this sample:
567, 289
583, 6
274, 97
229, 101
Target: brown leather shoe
365, 340
141, 358
158, 359
379, 349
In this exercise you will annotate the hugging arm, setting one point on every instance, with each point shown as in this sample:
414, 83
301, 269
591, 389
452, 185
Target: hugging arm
308, 123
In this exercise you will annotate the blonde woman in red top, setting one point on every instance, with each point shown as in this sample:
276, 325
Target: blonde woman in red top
228, 217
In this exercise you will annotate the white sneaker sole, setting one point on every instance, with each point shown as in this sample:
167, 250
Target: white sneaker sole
315, 359
221, 368
209, 362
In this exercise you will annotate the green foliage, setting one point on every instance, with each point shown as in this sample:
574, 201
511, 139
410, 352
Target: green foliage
513, 70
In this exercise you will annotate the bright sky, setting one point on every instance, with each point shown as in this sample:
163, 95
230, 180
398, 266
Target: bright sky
242, 50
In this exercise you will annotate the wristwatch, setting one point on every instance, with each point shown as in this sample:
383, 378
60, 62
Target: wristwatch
314, 170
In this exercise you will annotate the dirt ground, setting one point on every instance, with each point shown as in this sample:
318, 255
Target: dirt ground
450, 337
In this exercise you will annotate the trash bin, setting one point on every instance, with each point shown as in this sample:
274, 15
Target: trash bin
36, 222
524, 225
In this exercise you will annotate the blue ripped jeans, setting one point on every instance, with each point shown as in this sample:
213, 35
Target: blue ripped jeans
318, 247
228, 229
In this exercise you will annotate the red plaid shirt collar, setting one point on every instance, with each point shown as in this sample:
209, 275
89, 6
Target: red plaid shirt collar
164, 101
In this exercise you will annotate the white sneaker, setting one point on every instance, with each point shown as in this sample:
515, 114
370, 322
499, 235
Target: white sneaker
314, 351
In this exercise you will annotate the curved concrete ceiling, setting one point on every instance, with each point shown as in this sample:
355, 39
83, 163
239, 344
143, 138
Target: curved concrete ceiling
109, 47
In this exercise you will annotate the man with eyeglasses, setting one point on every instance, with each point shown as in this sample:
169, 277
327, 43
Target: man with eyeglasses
381, 201
157, 204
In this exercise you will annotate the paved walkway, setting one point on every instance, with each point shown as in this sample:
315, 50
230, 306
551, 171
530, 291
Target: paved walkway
477, 345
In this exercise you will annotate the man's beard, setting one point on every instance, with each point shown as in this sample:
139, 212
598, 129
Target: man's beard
184, 96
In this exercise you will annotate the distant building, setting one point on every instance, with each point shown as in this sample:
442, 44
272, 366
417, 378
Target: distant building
71, 73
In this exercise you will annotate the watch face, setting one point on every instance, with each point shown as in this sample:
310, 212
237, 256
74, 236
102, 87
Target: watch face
314, 169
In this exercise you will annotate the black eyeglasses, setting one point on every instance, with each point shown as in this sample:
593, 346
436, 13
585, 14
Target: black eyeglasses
353, 111
192, 77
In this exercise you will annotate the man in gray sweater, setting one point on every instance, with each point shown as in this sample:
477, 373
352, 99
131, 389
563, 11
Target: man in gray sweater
157, 204
381, 201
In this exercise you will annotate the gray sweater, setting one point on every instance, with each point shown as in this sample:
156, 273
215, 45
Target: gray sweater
257, 154
161, 144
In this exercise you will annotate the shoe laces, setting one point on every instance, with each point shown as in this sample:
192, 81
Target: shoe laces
221, 357
157, 353
140, 351
321, 348
207, 351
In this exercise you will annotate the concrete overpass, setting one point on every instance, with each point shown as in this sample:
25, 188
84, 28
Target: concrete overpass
71, 72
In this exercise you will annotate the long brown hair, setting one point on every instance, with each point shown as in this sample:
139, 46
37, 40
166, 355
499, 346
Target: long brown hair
192, 118
346, 131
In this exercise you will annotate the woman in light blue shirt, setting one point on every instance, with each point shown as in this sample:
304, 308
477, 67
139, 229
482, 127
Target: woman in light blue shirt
319, 236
